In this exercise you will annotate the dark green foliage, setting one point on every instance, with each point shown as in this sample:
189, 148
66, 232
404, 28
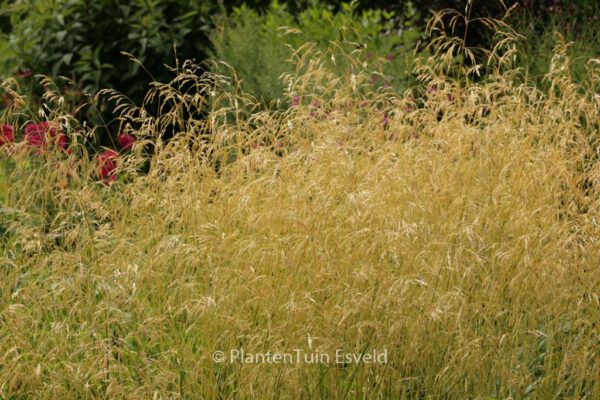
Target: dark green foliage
83, 39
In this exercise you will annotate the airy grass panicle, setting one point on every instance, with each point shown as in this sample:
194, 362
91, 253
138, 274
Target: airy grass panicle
454, 226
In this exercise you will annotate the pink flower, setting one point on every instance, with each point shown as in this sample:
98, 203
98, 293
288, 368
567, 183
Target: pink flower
410, 104
315, 104
7, 134
386, 120
126, 140
295, 101
107, 166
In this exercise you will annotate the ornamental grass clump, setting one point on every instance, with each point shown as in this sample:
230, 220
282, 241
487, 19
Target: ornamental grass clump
453, 227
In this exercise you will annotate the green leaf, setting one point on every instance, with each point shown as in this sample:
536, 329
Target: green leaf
67, 58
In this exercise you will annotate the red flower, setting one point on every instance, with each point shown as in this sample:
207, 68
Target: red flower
126, 140
7, 134
107, 166
23, 74
6, 100
35, 135
62, 141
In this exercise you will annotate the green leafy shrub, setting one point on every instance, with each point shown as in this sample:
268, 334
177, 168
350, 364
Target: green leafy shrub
259, 45
84, 40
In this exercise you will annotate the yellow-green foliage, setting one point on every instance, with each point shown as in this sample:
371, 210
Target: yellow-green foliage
460, 235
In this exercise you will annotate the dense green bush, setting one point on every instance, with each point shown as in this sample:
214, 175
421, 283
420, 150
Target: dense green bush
83, 40
259, 45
